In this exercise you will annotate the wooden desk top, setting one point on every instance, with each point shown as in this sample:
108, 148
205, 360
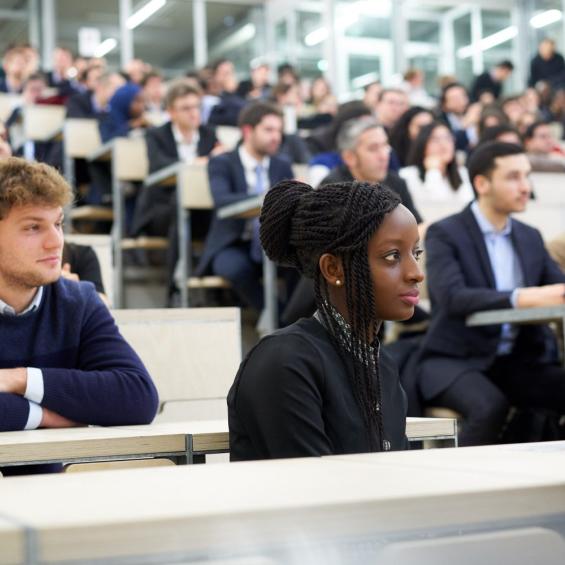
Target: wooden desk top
167, 176
155, 440
77, 444
246, 209
235, 507
517, 316
103, 153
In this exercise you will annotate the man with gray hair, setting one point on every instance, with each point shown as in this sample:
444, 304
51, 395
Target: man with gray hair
365, 152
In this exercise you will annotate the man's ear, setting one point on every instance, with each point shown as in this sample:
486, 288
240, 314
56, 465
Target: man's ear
481, 184
349, 158
331, 268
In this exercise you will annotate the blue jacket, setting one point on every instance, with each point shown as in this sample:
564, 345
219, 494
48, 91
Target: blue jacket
228, 186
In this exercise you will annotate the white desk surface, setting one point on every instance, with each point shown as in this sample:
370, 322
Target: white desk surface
248, 208
165, 176
517, 316
232, 507
11, 543
154, 439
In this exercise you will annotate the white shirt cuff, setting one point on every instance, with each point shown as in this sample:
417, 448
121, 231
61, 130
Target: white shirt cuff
514, 297
35, 416
34, 388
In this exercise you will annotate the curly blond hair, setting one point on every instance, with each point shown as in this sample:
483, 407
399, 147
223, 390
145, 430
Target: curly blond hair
23, 182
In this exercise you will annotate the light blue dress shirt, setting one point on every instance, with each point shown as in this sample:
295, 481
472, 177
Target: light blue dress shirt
506, 268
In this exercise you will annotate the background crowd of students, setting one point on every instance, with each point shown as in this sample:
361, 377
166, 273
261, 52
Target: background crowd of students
400, 135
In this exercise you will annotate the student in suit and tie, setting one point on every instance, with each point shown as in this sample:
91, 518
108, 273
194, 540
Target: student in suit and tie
484, 259
233, 250
182, 139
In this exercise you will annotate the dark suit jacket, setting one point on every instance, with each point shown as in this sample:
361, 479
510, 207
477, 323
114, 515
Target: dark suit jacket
162, 147
484, 83
228, 185
79, 105
155, 205
460, 282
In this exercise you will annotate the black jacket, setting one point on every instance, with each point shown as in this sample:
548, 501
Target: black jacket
485, 83
162, 147
551, 70
292, 397
79, 105
461, 282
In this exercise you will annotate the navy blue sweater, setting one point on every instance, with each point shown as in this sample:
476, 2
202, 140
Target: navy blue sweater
91, 375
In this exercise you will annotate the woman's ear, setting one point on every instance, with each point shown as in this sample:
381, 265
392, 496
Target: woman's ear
331, 268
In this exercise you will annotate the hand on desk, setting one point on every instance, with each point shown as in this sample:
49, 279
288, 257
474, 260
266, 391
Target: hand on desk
51, 419
536, 296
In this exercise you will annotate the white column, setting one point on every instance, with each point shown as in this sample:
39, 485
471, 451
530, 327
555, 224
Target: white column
476, 36
48, 33
126, 34
34, 22
199, 29
330, 51
399, 36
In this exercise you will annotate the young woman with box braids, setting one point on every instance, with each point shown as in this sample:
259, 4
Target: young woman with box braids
321, 386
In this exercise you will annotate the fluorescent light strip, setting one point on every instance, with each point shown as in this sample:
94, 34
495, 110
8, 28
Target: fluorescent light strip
489, 42
105, 47
546, 18
137, 18
321, 34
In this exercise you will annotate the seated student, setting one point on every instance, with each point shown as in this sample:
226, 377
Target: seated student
15, 71
182, 139
232, 249
460, 117
543, 149
127, 109
322, 386
506, 133
365, 152
484, 259
393, 102
433, 173
63, 361
95, 103
59, 77
80, 263
126, 114
407, 129
46, 152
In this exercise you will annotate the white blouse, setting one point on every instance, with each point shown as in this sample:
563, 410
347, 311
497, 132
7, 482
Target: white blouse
435, 187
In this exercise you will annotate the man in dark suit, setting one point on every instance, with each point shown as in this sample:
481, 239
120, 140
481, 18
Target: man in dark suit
232, 248
59, 77
482, 259
548, 65
461, 118
182, 139
491, 81
94, 103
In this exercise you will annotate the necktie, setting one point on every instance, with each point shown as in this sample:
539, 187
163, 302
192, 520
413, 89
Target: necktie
255, 248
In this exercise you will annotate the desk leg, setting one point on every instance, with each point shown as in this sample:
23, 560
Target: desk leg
69, 172
270, 294
183, 230
117, 234
190, 457
563, 341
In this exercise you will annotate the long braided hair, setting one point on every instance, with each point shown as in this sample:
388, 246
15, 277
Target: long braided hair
298, 225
